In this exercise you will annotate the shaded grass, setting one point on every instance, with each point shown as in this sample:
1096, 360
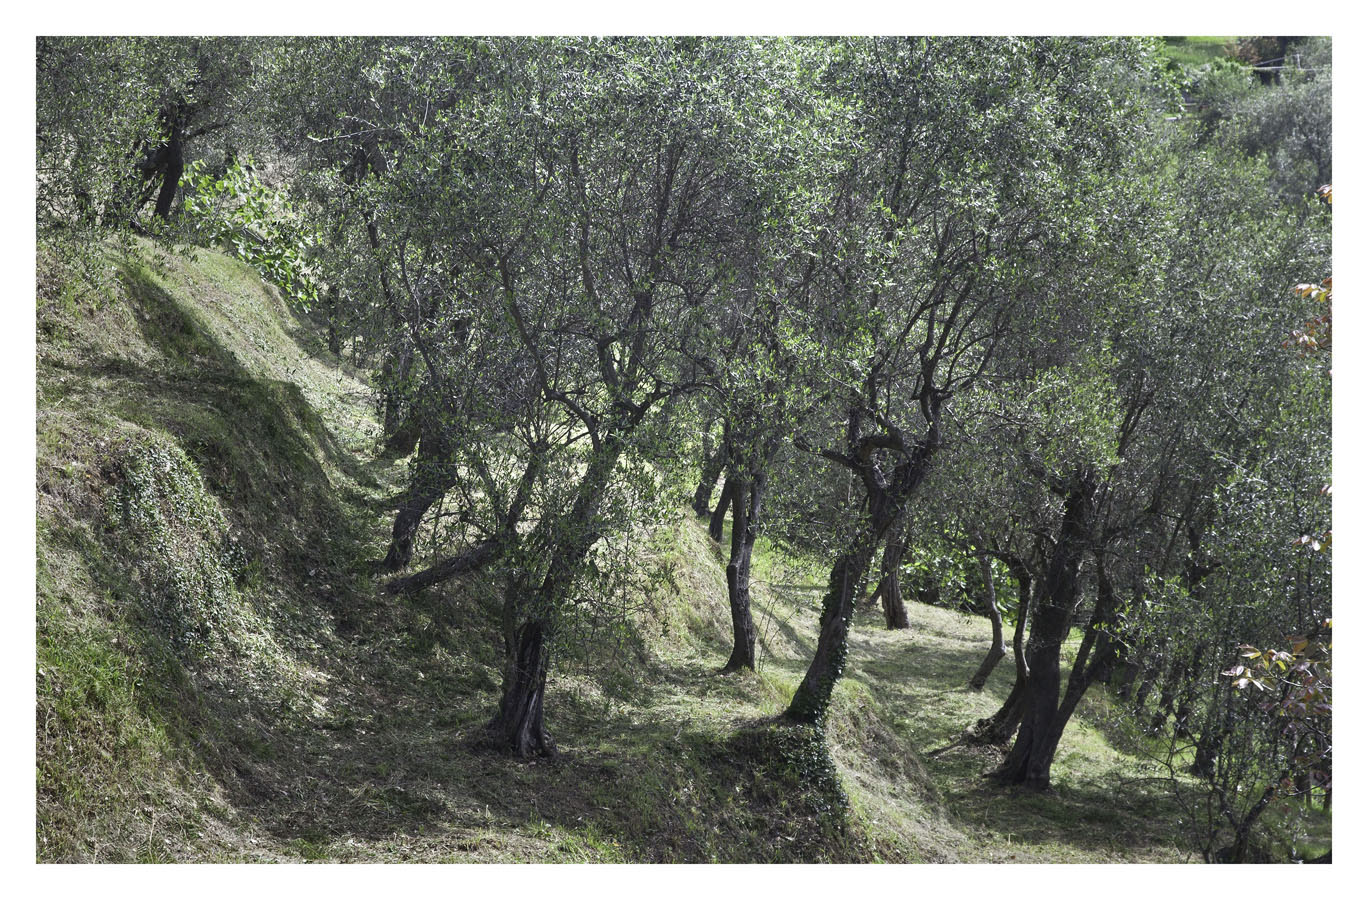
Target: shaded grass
146, 371
145, 754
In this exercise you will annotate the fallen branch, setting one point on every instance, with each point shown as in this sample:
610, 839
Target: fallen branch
480, 555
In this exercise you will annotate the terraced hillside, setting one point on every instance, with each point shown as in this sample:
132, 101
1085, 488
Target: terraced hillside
220, 679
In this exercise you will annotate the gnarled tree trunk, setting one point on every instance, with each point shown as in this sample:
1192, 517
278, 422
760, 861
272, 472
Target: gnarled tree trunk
520, 725
713, 464
529, 615
810, 701
999, 647
890, 584
1096, 654
1028, 763
432, 478
998, 728
172, 168
166, 161
886, 493
719, 516
472, 559
746, 504
403, 426
484, 552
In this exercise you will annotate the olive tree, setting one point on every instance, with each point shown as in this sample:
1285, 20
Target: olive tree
958, 213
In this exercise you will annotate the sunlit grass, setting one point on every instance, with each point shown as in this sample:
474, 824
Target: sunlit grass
146, 756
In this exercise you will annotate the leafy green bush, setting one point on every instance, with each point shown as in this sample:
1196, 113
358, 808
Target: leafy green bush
258, 224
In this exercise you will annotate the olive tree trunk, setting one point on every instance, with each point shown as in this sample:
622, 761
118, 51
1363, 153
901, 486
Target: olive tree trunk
746, 500
719, 515
520, 725
810, 701
432, 478
998, 728
999, 646
173, 169
889, 590
1028, 763
530, 614
713, 464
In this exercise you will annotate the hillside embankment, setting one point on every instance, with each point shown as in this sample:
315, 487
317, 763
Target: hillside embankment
219, 678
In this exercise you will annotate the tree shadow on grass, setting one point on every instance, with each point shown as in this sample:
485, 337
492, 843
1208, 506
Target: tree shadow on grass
385, 752
1106, 813
299, 765
772, 621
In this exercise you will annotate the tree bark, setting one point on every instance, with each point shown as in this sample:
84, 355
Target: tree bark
520, 724
432, 478
1028, 763
999, 647
890, 581
401, 422
713, 464
1107, 621
330, 309
173, 167
417, 501
167, 161
998, 728
397, 368
1195, 572
1204, 754
746, 500
810, 701
487, 550
476, 557
1096, 654
1023, 580
886, 495
719, 516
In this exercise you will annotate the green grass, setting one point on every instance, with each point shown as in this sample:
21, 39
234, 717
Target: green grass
325, 721
1195, 50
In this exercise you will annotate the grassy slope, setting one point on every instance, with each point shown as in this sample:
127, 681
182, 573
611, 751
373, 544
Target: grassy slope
219, 680
1194, 50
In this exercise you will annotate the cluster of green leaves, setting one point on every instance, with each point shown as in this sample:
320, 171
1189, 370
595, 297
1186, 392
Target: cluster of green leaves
1305, 669
97, 104
258, 224
1297, 682
1279, 110
104, 106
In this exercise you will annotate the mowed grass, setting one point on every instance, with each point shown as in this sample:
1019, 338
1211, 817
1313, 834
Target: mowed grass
339, 724
1196, 50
